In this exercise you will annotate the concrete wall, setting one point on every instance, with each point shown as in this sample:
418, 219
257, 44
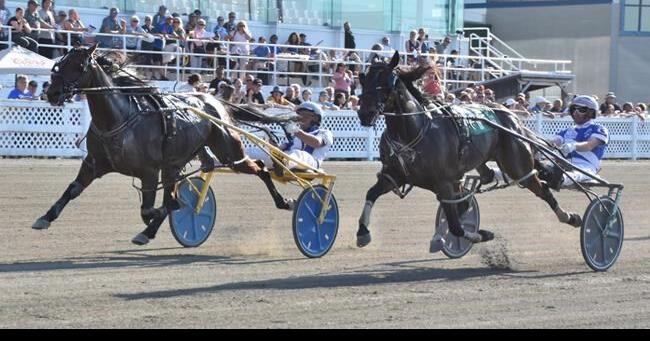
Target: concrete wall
578, 33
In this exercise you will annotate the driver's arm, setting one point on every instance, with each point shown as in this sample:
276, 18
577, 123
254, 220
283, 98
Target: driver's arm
588, 146
310, 140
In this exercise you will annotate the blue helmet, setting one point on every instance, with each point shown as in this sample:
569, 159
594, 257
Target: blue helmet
313, 108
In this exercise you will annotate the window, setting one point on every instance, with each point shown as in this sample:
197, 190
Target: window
636, 16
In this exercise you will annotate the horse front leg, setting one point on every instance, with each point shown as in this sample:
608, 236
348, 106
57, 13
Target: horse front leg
382, 187
453, 213
150, 215
87, 174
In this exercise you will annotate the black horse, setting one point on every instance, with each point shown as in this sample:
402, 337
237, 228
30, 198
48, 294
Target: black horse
423, 147
139, 132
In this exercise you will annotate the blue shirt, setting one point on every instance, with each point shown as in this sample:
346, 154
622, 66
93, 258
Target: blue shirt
587, 160
17, 94
262, 51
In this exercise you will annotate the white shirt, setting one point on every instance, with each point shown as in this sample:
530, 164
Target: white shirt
326, 139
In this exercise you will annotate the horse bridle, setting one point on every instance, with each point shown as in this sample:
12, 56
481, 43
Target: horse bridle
71, 88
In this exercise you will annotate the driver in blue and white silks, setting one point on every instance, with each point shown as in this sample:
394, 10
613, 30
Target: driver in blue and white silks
310, 144
583, 145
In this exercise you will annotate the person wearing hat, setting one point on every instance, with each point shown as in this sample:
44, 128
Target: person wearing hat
277, 100
610, 99
310, 143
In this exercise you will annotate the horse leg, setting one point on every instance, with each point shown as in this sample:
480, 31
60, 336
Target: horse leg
453, 213
169, 204
87, 174
382, 187
249, 166
541, 189
149, 214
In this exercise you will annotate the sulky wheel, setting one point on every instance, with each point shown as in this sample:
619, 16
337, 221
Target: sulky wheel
189, 228
455, 247
315, 240
601, 237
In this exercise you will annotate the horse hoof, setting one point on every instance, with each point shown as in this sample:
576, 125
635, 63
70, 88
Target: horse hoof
363, 241
437, 245
474, 238
140, 240
41, 224
288, 205
486, 236
575, 220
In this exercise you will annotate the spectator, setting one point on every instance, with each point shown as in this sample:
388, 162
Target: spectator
610, 98
231, 25
423, 38
306, 95
192, 85
239, 96
254, 95
220, 76
340, 100
431, 82
451, 99
330, 93
192, 22
342, 79
200, 36
242, 36
541, 106
291, 96
324, 101
20, 91
32, 88
4, 15
46, 87
111, 25
160, 18
610, 111
412, 48
385, 44
277, 101
490, 96
350, 43
297, 89
558, 107
375, 57
261, 51
75, 24
521, 107
134, 29
21, 31
47, 21
353, 103
220, 32
451, 64
630, 111
443, 46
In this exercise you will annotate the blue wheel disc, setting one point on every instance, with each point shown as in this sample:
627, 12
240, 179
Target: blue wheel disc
191, 229
315, 240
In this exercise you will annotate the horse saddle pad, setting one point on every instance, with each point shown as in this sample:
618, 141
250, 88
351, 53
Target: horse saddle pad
467, 113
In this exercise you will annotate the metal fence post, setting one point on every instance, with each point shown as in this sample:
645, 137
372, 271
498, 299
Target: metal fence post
635, 138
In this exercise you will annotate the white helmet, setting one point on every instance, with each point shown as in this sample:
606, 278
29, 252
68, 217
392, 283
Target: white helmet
312, 107
586, 101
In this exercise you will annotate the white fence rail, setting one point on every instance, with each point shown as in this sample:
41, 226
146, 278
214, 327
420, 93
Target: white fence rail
38, 129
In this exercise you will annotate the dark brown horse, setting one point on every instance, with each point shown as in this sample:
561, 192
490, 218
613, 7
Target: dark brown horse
139, 132
422, 148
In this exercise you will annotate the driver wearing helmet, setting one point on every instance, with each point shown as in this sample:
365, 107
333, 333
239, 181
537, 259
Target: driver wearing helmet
583, 145
310, 142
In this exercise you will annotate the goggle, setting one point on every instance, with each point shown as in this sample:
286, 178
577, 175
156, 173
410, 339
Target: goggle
580, 109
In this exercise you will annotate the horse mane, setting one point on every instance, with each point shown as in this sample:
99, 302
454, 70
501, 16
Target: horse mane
115, 64
410, 77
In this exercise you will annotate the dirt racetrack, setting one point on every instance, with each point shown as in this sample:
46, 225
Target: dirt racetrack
84, 272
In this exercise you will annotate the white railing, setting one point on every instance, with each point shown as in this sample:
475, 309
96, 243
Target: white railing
317, 66
34, 128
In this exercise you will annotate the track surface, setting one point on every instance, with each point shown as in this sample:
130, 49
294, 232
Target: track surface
84, 272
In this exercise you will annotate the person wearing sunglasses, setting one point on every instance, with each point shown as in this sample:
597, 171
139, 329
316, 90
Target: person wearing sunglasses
583, 145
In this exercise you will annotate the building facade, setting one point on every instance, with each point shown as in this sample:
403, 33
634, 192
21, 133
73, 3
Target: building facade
608, 40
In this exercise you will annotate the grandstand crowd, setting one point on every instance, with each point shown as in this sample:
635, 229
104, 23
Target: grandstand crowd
36, 27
